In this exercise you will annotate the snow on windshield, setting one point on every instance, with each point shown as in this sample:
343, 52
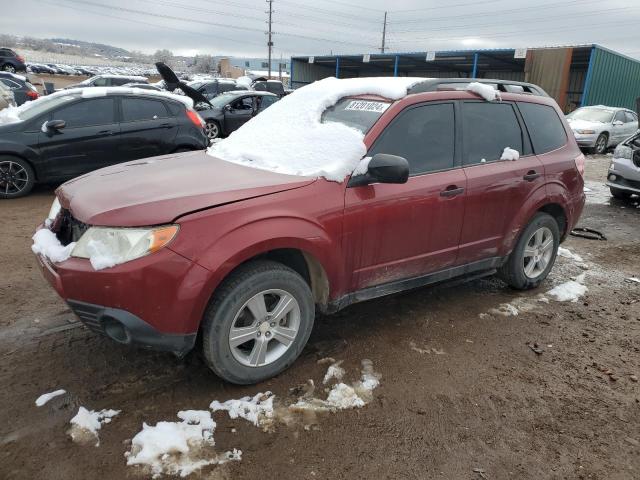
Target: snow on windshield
290, 138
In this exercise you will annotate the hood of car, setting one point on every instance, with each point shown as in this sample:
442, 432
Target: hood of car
158, 190
172, 82
584, 125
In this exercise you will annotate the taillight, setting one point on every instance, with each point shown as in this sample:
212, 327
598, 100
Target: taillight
580, 160
195, 118
32, 95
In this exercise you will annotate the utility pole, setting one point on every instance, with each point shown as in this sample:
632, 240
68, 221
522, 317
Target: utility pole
269, 42
384, 32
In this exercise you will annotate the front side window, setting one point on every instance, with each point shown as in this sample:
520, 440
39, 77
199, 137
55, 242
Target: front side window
619, 117
137, 109
488, 128
85, 113
266, 101
245, 103
423, 135
545, 127
101, 82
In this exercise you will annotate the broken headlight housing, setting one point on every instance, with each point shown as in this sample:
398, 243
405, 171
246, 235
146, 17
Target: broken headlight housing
622, 151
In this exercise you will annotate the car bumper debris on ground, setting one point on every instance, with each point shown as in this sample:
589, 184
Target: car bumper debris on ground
471, 381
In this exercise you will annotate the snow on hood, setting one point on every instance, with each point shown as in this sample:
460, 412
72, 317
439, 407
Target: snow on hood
583, 124
289, 137
10, 114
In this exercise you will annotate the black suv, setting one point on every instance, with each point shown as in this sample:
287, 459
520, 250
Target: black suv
10, 61
67, 134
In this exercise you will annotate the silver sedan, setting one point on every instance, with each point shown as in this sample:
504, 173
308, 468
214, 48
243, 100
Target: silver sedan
600, 127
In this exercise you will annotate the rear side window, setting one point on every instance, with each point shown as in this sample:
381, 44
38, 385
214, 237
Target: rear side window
11, 84
136, 109
545, 127
86, 113
101, 82
630, 117
424, 136
488, 128
118, 82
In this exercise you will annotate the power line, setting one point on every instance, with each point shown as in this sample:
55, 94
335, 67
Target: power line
350, 5
450, 5
331, 13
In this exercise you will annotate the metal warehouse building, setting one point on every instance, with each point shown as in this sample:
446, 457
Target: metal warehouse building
575, 76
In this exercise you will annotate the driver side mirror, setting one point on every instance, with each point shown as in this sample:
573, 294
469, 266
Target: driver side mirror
383, 168
54, 125
617, 123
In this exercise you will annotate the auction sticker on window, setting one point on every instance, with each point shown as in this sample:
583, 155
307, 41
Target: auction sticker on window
366, 106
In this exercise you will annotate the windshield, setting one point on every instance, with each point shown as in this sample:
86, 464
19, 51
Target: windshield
600, 115
42, 106
221, 100
358, 114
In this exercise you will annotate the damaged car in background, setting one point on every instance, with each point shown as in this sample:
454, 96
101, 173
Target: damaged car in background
623, 178
599, 127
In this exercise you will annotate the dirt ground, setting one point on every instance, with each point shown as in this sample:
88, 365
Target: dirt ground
462, 395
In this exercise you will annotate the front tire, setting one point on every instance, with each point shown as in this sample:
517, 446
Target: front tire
601, 144
534, 254
16, 177
619, 194
257, 323
212, 129
7, 67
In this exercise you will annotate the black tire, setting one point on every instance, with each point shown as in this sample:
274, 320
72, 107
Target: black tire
16, 177
513, 270
212, 130
602, 142
620, 194
228, 301
7, 67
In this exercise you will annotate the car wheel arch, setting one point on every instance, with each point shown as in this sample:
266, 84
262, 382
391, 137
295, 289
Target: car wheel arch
36, 173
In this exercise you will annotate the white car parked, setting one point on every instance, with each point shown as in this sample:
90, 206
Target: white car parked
599, 127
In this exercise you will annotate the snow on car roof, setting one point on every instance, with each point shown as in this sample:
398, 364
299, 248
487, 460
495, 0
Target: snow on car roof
11, 114
132, 77
290, 138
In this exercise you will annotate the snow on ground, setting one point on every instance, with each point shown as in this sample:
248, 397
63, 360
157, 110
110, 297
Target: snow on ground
290, 138
178, 448
566, 253
634, 279
510, 154
257, 409
86, 423
46, 243
335, 371
569, 291
485, 91
45, 397
504, 310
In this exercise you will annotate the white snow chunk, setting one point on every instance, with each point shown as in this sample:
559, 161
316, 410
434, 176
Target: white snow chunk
177, 448
9, 115
569, 291
485, 91
46, 243
362, 167
290, 138
342, 397
86, 423
505, 310
334, 371
510, 154
245, 81
100, 256
257, 410
45, 397
566, 253
634, 279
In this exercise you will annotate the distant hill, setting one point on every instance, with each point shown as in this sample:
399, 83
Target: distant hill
92, 48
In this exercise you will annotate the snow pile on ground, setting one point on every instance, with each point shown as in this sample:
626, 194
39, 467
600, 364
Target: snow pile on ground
100, 256
485, 91
257, 410
46, 243
343, 396
178, 448
566, 253
86, 423
569, 291
504, 310
289, 137
510, 154
335, 371
45, 397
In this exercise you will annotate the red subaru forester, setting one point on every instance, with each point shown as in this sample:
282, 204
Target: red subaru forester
244, 257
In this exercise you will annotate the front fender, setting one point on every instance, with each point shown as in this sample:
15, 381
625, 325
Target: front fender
23, 151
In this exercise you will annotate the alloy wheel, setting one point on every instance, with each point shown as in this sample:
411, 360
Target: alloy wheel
601, 144
13, 178
211, 130
264, 328
538, 252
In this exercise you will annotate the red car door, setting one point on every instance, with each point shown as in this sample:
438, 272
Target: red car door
401, 231
496, 189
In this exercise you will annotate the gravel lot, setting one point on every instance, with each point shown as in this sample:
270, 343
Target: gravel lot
462, 394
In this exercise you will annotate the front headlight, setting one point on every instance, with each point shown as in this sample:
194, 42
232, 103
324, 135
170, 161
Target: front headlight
106, 247
585, 132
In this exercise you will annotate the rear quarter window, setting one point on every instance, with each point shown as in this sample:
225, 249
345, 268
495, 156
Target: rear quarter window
545, 127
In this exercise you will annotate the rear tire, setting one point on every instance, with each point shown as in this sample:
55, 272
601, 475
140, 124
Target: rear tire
619, 194
212, 129
7, 67
534, 254
601, 144
16, 177
243, 318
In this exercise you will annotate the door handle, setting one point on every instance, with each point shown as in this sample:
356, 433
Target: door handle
531, 176
451, 191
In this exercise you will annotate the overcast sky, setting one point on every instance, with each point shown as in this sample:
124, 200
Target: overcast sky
315, 27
